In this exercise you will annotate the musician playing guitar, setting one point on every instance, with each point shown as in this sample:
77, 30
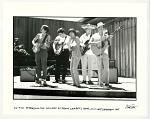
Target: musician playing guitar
102, 54
60, 47
41, 42
87, 57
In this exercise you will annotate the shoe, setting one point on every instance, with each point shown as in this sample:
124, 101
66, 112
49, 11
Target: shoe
44, 83
59, 80
55, 81
101, 84
78, 86
84, 81
106, 87
63, 81
90, 82
37, 80
41, 83
106, 84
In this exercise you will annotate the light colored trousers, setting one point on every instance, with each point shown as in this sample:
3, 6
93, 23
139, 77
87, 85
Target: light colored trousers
87, 61
103, 68
74, 71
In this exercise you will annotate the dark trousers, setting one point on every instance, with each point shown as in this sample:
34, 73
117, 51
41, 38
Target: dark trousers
41, 63
63, 59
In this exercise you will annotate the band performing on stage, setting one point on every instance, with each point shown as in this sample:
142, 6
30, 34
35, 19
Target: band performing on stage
68, 46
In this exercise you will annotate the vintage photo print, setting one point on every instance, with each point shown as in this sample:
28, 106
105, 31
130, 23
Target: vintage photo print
75, 60
121, 33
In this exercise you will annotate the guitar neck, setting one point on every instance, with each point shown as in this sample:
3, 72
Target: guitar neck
117, 30
113, 32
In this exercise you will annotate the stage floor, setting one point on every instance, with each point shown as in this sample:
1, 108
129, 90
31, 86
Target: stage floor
125, 88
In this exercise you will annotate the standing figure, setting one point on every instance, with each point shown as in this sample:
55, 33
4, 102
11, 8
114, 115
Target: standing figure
87, 58
75, 56
60, 47
99, 45
40, 44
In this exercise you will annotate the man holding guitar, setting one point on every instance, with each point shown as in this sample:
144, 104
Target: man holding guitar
60, 47
40, 44
99, 46
87, 57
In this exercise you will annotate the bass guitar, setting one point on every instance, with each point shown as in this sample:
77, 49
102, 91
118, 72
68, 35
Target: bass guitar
96, 46
86, 47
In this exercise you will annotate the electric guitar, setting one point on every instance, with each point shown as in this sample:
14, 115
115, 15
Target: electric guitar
86, 47
96, 46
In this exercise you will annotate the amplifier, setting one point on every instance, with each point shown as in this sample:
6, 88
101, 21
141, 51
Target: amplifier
113, 75
27, 75
111, 63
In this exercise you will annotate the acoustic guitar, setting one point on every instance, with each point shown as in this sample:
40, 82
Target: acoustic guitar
36, 48
59, 46
96, 46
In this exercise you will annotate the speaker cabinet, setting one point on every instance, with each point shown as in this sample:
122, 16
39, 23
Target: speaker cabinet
111, 63
113, 75
27, 75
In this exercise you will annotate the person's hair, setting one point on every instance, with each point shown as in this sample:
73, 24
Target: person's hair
78, 33
45, 27
60, 30
72, 30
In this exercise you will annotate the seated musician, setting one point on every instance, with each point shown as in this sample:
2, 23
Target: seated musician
100, 49
60, 47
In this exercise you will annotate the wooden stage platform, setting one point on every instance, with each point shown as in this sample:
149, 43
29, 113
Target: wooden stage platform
125, 88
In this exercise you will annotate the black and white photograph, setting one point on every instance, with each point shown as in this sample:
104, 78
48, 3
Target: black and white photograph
74, 58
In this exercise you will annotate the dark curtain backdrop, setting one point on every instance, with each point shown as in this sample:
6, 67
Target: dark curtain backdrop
123, 44
26, 28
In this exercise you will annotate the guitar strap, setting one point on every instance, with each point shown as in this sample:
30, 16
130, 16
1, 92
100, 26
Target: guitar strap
44, 38
89, 38
65, 39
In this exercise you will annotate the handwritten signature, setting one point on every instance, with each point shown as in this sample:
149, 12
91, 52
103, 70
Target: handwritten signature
132, 106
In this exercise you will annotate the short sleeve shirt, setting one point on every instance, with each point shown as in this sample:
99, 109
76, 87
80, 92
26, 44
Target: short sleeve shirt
66, 40
83, 39
96, 37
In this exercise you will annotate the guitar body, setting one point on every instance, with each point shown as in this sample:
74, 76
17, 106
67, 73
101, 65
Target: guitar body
36, 48
105, 42
85, 48
96, 51
59, 48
